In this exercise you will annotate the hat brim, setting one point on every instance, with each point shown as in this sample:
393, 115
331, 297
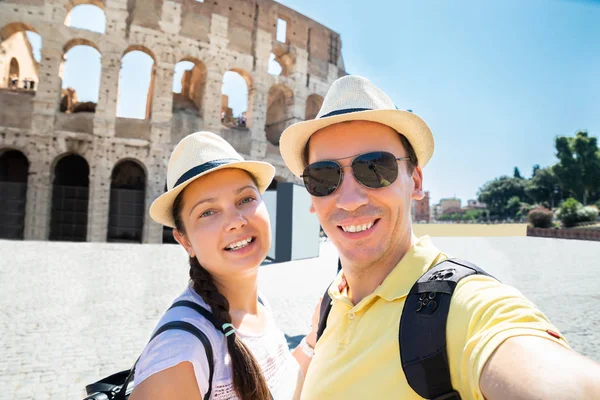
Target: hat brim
161, 209
294, 138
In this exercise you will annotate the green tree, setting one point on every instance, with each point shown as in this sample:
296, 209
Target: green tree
578, 167
474, 215
512, 207
535, 169
544, 187
517, 173
496, 195
568, 212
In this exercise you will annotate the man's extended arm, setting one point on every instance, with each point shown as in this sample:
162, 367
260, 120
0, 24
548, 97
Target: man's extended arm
530, 367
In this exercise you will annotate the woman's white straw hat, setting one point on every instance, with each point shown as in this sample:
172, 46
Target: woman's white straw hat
199, 154
352, 98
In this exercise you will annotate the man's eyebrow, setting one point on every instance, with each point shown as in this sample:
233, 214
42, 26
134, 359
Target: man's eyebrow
214, 199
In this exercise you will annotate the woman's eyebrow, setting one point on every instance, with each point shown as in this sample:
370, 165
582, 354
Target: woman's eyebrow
208, 200
214, 199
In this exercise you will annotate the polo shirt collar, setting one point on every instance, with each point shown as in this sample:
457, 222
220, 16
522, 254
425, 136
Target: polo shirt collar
421, 256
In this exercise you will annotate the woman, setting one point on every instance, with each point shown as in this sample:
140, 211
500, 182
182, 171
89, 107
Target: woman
214, 204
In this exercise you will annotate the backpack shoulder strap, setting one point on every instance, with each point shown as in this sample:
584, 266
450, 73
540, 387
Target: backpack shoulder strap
200, 310
422, 333
324, 313
183, 326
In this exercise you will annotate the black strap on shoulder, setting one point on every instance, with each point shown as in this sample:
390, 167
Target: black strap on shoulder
125, 390
326, 306
324, 313
422, 333
200, 310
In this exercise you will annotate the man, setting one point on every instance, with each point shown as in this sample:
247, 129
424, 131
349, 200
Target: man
361, 160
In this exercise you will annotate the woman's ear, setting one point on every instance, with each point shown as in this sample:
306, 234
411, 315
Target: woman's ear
183, 241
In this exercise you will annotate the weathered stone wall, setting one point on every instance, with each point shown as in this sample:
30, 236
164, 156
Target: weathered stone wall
221, 36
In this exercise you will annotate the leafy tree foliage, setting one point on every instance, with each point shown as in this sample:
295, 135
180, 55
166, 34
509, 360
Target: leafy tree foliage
517, 173
576, 174
578, 167
544, 187
503, 196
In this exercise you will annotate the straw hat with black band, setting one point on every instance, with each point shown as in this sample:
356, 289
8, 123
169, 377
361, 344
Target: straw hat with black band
199, 154
354, 98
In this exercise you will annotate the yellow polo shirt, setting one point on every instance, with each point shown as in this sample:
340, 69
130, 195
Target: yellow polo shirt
358, 356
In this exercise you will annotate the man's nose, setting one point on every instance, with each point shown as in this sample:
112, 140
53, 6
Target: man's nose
350, 194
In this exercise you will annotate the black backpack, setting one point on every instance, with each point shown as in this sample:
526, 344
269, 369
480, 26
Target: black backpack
422, 332
118, 386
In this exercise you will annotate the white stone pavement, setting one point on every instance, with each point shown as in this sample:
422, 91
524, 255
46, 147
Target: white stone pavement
73, 313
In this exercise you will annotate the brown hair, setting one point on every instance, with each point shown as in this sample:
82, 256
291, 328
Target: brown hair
248, 380
414, 161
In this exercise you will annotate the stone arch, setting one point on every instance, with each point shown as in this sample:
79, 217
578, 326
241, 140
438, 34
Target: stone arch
142, 75
313, 105
74, 3
94, 7
127, 202
79, 42
273, 66
70, 197
235, 97
279, 112
189, 85
14, 172
16, 50
13, 70
15, 27
78, 94
283, 57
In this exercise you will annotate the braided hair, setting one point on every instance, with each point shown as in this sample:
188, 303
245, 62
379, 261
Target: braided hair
248, 380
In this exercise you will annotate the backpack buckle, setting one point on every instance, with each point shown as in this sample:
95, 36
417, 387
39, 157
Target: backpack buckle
453, 395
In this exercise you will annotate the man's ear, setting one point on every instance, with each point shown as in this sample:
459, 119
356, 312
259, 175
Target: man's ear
183, 241
417, 177
312, 208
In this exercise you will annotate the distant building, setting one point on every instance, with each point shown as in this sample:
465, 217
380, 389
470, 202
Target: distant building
450, 205
420, 209
475, 205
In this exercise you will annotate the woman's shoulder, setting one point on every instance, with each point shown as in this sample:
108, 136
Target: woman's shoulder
175, 346
172, 383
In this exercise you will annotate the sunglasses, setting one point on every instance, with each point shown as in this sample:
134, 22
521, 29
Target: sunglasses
374, 170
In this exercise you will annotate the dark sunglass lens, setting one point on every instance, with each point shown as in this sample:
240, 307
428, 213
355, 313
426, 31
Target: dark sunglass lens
375, 170
321, 178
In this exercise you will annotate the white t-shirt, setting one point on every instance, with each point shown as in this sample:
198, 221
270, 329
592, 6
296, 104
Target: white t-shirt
270, 349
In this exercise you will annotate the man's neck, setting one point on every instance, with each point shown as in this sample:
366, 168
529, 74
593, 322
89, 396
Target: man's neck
364, 280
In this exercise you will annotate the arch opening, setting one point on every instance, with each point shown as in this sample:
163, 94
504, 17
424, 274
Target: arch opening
70, 197
136, 84
14, 171
280, 100
127, 203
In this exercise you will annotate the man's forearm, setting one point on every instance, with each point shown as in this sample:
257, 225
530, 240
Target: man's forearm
529, 367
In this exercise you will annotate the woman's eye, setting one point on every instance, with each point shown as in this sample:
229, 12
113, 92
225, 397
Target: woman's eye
247, 200
207, 214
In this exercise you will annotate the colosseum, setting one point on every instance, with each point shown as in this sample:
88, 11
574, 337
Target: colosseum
82, 171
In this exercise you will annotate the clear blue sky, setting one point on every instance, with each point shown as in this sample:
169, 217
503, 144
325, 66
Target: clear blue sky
495, 80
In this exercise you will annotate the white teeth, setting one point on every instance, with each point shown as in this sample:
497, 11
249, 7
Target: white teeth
357, 228
239, 245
